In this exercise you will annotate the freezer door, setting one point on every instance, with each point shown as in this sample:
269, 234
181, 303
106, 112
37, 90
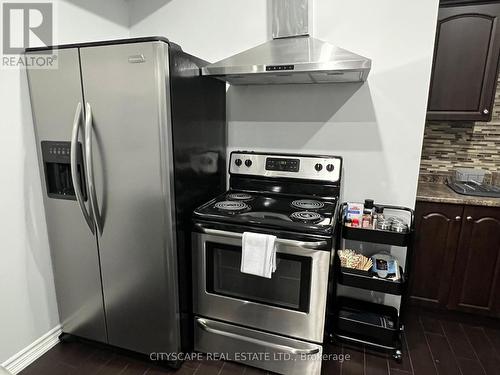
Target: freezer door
55, 95
129, 134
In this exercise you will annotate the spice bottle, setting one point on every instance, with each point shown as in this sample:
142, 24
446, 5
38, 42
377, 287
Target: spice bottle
378, 215
367, 219
368, 207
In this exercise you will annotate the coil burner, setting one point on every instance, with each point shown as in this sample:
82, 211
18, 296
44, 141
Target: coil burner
308, 204
239, 196
232, 206
306, 217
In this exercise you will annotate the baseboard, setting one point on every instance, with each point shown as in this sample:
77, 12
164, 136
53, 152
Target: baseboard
32, 352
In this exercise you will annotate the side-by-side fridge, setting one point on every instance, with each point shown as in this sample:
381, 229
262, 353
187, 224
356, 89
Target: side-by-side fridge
130, 139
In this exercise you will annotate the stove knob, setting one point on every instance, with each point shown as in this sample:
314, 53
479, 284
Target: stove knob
248, 163
330, 167
318, 167
238, 162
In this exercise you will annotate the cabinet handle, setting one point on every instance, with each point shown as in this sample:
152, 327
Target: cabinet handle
469, 218
457, 218
485, 111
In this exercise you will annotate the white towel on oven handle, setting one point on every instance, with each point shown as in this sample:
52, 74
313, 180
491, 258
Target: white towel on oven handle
258, 254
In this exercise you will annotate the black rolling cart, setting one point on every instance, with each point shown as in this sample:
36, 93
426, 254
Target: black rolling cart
353, 320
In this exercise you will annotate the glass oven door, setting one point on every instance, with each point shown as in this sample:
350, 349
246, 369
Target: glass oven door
292, 302
289, 286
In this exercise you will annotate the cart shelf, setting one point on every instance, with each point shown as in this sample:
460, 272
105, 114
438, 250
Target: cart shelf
370, 281
376, 235
368, 323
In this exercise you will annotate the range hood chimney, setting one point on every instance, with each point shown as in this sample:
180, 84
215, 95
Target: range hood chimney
292, 56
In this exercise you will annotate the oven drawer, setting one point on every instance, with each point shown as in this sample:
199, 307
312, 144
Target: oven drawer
254, 348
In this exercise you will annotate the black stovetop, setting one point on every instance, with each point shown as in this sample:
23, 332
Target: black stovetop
305, 214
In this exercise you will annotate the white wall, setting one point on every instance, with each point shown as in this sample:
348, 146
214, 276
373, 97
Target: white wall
211, 30
27, 298
377, 127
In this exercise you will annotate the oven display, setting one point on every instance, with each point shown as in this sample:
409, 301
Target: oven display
283, 165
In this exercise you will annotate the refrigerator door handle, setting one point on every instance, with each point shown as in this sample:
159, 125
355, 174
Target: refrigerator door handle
90, 168
74, 168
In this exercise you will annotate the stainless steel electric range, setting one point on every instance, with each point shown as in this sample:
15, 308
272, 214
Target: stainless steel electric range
277, 322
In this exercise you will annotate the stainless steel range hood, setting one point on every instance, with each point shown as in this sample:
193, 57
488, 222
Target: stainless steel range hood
292, 56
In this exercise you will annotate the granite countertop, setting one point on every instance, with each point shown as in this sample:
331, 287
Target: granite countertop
439, 192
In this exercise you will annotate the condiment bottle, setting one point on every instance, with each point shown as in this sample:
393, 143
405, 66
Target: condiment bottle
355, 222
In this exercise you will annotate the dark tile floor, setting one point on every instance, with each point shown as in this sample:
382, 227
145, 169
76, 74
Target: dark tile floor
434, 344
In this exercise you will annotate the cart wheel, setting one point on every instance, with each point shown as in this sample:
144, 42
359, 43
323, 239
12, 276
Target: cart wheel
398, 356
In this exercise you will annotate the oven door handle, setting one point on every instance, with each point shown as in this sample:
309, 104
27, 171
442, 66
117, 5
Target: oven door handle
314, 245
202, 323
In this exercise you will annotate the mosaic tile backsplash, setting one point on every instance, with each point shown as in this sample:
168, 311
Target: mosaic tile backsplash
449, 145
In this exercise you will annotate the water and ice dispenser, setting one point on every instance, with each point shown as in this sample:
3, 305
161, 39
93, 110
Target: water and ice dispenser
57, 166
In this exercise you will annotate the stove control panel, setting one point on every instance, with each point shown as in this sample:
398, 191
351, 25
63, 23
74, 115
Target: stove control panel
282, 164
310, 167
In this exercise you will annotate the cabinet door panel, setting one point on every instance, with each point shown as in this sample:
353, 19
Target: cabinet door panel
465, 63
476, 281
449, 77
437, 232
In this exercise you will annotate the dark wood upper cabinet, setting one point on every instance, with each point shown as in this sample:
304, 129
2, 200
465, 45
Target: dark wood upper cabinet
465, 64
436, 241
476, 281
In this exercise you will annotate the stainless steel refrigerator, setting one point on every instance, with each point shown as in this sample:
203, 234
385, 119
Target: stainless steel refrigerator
130, 138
